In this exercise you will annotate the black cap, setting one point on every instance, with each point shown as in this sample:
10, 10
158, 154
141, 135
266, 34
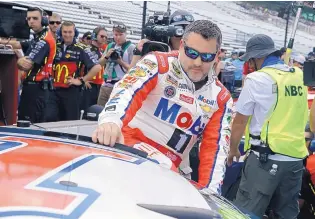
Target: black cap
87, 35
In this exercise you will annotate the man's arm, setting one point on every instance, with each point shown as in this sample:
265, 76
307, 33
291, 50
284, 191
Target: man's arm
312, 116
136, 58
238, 127
90, 60
14, 43
124, 102
127, 65
214, 147
37, 55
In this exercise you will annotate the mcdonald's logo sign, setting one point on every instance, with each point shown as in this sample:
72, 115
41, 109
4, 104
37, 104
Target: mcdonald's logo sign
63, 70
59, 73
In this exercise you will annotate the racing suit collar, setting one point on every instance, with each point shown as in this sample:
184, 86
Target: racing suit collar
40, 34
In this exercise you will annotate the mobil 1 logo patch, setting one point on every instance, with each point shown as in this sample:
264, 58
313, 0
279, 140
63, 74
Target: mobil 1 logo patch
170, 91
179, 141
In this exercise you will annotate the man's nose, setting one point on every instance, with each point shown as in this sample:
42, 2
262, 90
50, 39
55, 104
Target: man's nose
197, 62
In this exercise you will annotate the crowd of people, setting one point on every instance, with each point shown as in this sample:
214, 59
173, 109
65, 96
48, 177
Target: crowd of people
180, 101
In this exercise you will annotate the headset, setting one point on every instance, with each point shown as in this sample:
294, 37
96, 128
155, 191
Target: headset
96, 31
44, 17
59, 31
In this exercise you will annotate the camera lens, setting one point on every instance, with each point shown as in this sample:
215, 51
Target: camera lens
114, 56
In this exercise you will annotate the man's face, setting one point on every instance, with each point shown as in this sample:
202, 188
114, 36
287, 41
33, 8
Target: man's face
67, 34
102, 37
193, 45
119, 37
87, 41
34, 19
222, 54
54, 23
234, 56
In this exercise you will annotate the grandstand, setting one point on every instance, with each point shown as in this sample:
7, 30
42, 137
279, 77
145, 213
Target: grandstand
236, 24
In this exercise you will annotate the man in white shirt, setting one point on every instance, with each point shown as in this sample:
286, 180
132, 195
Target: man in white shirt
273, 104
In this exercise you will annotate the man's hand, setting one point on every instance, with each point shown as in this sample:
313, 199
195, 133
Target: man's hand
119, 61
140, 44
108, 134
25, 63
88, 85
73, 81
108, 54
233, 153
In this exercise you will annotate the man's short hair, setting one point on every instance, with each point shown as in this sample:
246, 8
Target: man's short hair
67, 24
207, 29
55, 15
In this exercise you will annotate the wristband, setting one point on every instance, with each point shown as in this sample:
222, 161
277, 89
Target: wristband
82, 81
137, 52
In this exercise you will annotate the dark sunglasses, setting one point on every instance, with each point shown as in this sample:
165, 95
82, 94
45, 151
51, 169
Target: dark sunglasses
34, 18
179, 18
55, 22
193, 54
103, 36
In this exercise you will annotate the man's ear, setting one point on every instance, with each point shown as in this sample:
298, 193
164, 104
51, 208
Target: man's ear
181, 44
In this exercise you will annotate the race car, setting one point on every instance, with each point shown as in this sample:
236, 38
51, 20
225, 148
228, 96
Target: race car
48, 174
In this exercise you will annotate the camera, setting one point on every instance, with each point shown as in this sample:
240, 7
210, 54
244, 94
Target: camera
309, 73
116, 54
158, 28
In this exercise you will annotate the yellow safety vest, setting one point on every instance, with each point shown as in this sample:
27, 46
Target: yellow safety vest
283, 130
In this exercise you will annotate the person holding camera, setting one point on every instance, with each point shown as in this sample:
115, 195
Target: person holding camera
117, 58
37, 65
64, 103
179, 19
272, 110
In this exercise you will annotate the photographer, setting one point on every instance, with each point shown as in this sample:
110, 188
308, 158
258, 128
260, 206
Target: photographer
179, 19
117, 58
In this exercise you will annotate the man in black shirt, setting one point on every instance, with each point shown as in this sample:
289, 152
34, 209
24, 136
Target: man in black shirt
37, 65
64, 103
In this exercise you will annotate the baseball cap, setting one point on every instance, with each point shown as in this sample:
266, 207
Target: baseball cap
259, 46
120, 27
298, 58
181, 17
87, 35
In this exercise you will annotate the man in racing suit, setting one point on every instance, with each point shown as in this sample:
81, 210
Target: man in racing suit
169, 100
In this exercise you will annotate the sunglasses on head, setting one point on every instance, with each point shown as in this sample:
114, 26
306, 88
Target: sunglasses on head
55, 22
179, 18
193, 54
119, 26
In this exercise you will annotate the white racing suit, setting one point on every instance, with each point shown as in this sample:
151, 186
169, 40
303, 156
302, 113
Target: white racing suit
156, 103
